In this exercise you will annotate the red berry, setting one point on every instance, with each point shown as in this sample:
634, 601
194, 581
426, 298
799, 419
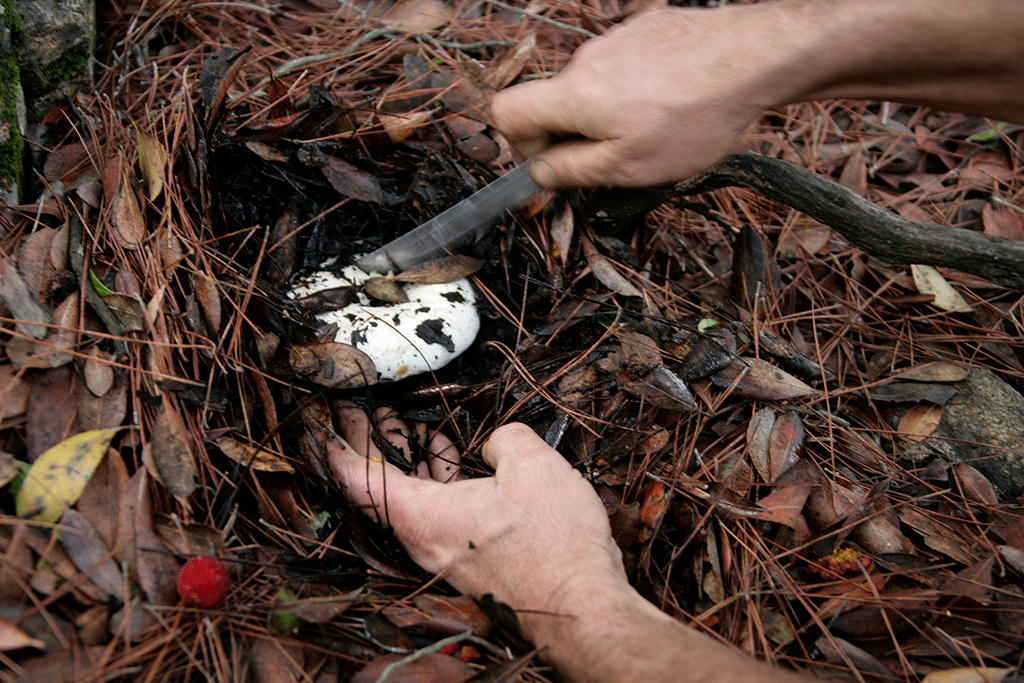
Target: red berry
203, 582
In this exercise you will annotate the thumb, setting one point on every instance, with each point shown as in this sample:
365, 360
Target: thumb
516, 443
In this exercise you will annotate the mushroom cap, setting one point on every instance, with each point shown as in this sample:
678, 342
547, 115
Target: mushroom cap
426, 333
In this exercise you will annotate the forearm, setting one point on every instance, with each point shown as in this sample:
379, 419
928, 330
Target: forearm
613, 635
964, 56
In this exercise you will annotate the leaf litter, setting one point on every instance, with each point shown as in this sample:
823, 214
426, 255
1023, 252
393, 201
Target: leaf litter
815, 455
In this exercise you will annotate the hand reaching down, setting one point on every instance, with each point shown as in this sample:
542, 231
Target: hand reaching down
535, 536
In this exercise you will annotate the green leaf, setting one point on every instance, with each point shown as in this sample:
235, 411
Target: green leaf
98, 286
706, 324
990, 134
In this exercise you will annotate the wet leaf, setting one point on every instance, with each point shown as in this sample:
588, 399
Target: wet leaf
920, 420
332, 364
152, 161
1003, 221
760, 380
975, 485
170, 448
252, 456
208, 298
758, 438
930, 282
784, 504
385, 289
57, 478
655, 504
441, 270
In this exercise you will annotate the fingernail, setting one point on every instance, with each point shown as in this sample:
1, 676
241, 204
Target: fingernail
543, 174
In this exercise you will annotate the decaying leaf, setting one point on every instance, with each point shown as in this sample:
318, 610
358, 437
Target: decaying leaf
332, 364
90, 554
418, 16
57, 478
98, 372
758, 438
755, 378
31, 319
352, 182
938, 371
605, 272
152, 161
786, 442
981, 674
385, 289
172, 453
919, 422
126, 216
252, 456
930, 282
441, 271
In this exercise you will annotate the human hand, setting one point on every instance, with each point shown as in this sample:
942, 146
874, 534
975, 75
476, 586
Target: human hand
535, 535
655, 99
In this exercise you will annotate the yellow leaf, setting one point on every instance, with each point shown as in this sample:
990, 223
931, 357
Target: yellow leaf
930, 281
981, 674
254, 457
57, 478
152, 160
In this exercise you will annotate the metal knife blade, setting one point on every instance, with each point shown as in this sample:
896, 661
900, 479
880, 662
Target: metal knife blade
455, 227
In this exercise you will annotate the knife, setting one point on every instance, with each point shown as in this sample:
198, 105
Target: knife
459, 225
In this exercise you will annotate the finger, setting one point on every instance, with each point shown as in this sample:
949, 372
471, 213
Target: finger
394, 430
372, 484
354, 426
531, 113
444, 458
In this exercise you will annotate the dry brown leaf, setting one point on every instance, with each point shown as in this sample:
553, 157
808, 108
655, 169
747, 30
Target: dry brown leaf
99, 500
855, 173
128, 310
30, 317
401, 126
418, 16
385, 289
501, 75
140, 547
126, 216
975, 485
34, 261
332, 364
152, 161
605, 272
1003, 221
14, 391
561, 234
351, 182
187, 539
938, 371
784, 504
13, 638
50, 416
98, 372
108, 410
982, 674
930, 282
208, 298
441, 271
760, 380
787, 440
253, 456
920, 420
170, 448
431, 668
86, 548
759, 431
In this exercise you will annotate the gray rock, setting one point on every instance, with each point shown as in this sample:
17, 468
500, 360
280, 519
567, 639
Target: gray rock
54, 44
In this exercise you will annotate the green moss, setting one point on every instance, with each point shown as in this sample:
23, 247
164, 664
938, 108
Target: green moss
70, 66
11, 18
12, 149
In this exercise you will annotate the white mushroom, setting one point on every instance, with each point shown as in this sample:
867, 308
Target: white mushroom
437, 324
